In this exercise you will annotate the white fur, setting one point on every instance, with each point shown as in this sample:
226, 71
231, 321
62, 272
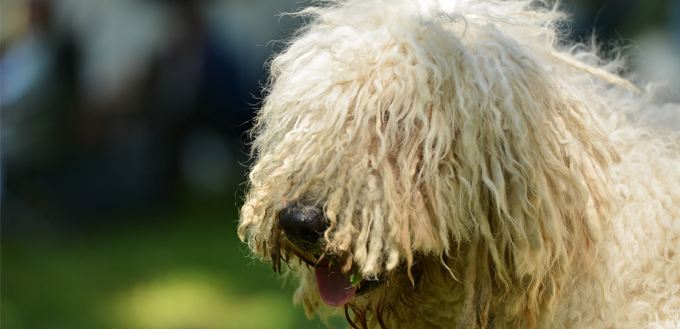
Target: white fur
486, 173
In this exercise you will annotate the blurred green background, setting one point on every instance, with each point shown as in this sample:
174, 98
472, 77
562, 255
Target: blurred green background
124, 152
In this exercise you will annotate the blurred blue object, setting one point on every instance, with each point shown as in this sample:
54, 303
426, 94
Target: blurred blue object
21, 68
674, 23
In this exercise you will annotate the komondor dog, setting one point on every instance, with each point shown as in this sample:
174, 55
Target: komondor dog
455, 164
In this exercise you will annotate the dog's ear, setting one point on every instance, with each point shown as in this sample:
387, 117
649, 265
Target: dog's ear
525, 173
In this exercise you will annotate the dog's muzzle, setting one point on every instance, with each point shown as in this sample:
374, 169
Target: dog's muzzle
303, 224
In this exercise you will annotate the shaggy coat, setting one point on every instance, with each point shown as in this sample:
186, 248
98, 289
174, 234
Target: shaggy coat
484, 172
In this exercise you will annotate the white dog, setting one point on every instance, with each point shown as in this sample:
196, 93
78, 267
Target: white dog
450, 165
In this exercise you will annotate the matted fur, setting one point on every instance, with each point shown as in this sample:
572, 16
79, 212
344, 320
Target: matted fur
486, 175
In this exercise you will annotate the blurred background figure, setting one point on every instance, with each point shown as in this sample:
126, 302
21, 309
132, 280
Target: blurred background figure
123, 145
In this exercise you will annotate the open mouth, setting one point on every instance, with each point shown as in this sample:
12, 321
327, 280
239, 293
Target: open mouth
336, 287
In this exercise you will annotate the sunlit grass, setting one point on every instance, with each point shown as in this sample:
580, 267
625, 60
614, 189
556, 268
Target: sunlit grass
195, 299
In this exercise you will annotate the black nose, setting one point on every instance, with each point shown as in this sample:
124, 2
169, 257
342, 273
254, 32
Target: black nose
304, 224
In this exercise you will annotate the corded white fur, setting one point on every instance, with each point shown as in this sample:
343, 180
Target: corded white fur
458, 150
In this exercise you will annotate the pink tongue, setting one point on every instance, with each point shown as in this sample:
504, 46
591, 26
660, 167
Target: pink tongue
334, 286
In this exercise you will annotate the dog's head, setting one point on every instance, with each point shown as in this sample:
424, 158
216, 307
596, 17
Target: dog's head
394, 134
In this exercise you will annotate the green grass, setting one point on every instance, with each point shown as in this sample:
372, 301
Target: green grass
179, 268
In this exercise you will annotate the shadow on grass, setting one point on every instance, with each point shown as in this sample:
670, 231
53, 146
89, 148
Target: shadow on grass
178, 268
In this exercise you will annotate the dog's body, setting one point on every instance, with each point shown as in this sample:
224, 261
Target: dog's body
464, 171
